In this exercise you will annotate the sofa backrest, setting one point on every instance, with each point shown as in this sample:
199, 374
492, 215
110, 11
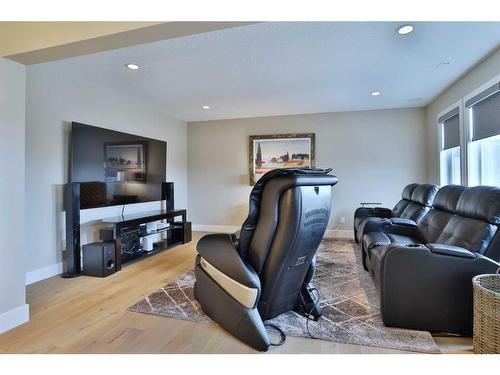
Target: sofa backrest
405, 200
476, 221
443, 209
418, 203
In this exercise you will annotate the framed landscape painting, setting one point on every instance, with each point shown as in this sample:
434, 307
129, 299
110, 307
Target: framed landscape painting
268, 152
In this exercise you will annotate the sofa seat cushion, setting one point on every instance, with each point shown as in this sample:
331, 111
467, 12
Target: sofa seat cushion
373, 239
402, 240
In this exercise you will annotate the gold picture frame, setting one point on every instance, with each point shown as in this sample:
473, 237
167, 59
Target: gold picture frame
272, 151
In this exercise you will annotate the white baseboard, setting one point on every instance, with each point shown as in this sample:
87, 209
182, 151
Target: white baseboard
43, 273
330, 233
14, 317
215, 228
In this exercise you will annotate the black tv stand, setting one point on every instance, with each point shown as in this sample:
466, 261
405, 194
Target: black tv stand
126, 230
180, 230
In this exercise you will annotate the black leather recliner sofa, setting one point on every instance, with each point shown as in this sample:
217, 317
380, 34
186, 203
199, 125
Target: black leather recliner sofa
241, 282
424, 272
416, 200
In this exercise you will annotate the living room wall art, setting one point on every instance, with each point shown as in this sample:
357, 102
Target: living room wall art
268, 152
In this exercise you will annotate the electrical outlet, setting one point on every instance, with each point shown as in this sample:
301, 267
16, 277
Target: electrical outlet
342, 220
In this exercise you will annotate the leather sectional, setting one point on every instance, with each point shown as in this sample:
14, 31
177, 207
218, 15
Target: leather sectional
415, 202
423, 269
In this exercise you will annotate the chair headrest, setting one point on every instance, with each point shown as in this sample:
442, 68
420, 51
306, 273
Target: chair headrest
406, 194
480, 202
302, 172
447, 197
424, 194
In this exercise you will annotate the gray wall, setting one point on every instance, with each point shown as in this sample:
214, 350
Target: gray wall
53, 100
374, 154
479, 75
12, 227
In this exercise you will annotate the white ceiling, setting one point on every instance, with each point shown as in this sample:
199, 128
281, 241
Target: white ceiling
279, 68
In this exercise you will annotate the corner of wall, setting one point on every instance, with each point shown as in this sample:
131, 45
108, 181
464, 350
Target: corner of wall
13, 307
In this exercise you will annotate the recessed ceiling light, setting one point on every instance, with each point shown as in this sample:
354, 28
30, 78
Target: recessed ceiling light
133, 66
375, 93
404, 29
205, 106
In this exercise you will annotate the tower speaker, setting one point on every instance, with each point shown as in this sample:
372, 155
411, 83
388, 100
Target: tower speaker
99, 259
167, 194
72, 208
187, 232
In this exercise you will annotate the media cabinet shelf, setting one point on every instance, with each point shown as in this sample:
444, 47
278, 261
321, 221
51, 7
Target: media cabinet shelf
120, 223
146, 254
145, 217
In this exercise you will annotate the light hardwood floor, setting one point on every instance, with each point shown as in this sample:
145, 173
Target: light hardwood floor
89, 315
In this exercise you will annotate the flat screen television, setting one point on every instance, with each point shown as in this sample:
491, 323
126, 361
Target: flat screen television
115, 168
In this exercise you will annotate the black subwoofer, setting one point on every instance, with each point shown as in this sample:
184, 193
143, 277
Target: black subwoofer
99, 259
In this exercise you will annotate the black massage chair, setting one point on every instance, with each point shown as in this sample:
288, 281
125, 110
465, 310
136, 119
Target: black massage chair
244, 280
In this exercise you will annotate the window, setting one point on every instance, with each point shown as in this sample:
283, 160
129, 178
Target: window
450, 154
470, 149
483, 113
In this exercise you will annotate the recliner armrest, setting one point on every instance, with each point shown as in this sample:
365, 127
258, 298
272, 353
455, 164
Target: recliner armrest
374, 239
219, 250
388, 226
373, 212
456, 251
403, 222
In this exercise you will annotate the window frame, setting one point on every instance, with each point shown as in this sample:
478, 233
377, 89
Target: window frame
458, 104
464, 120
467, 128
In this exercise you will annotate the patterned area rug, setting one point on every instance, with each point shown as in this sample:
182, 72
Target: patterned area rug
349, 302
